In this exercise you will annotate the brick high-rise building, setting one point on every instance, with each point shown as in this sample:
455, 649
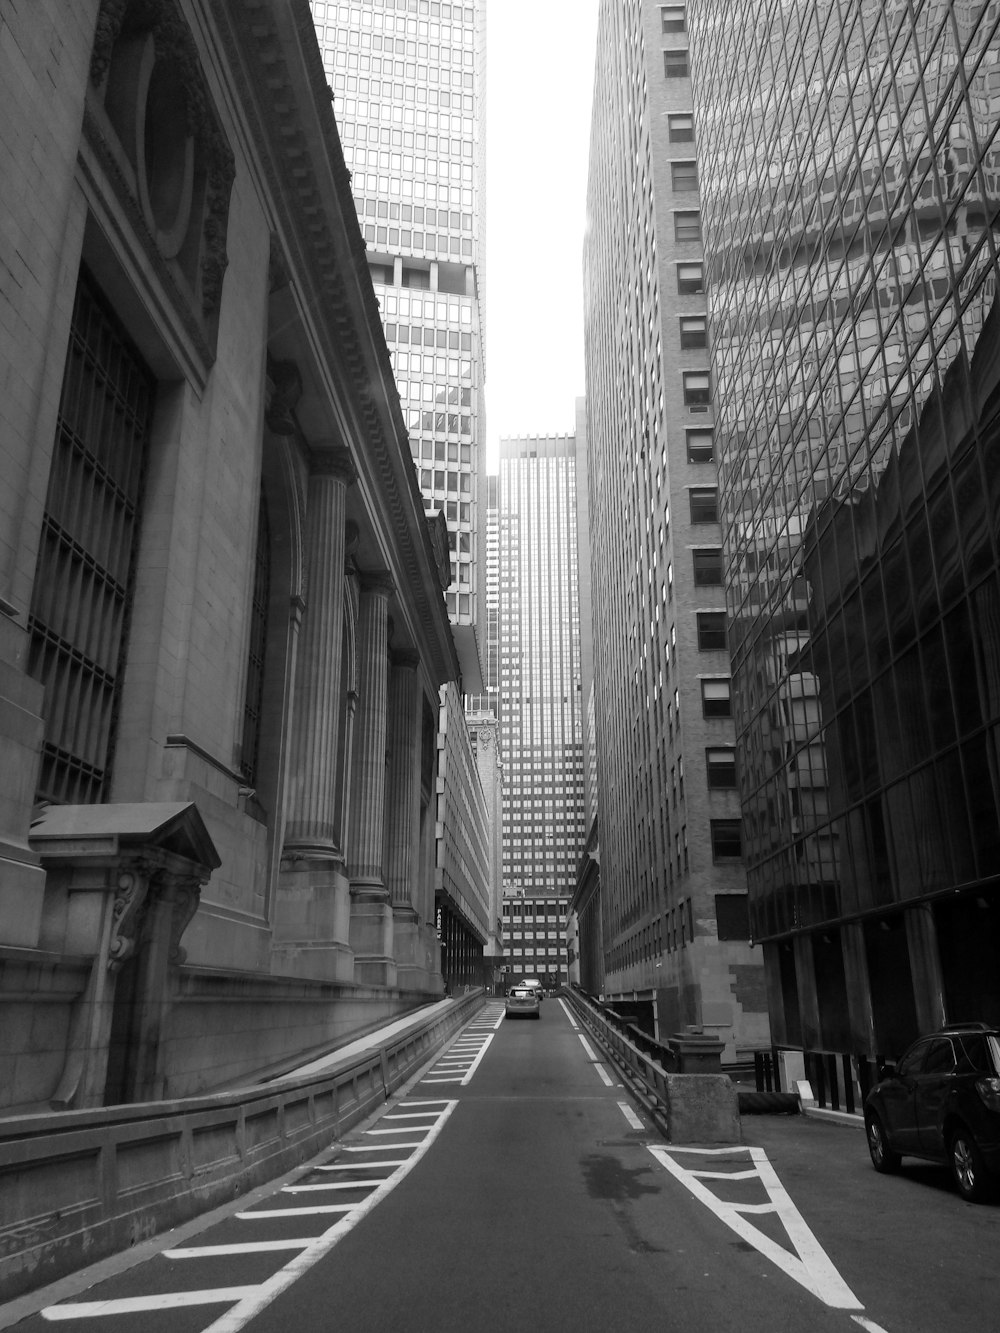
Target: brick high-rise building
672, 881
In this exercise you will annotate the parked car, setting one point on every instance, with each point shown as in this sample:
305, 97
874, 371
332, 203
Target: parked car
942, 1103
523, 1002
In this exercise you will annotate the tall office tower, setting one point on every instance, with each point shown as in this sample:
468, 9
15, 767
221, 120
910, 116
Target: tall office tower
540, 694
673, 887
491, 654
407, 79
852, 189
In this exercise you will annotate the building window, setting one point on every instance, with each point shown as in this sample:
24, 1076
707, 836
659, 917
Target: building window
707, 564
711, 631
716, 698
694, 331
720, 767
683, 177
727, 839
697, 388
675, 64
732, 916
704, 504
680, 129
687, 225
672, 18
700, 446
690, 279
85, 579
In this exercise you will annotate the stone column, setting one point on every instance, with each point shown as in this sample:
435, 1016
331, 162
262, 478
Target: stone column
402, 798
312, 907
310, 828
371, 912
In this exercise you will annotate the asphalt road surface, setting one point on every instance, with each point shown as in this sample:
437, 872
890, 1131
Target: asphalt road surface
514, 1187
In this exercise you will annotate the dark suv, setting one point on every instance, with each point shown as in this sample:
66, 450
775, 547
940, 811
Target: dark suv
942, 1102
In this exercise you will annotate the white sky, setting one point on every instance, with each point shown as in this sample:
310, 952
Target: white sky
539, 75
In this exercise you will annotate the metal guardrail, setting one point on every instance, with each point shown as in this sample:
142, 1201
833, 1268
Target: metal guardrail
649, 1073
76, 1186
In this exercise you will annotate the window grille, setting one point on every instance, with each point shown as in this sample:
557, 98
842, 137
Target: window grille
85, 580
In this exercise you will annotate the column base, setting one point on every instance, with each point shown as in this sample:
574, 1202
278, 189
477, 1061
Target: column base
372, 942
418, 956
312, 921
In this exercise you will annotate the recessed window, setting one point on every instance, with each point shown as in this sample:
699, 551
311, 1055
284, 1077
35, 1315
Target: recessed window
727, 839
690, 279
700, 446
683, 177
697, 388
716, 698
720, 767
704, 504
672, 18
732, 916
711, 631
687, 225
694, 331
707, 564
675, 64
680, 129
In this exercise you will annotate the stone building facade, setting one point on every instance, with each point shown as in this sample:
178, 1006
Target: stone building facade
223, 629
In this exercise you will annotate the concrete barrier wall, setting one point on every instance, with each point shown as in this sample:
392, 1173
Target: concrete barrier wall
79, 1185
690, 1108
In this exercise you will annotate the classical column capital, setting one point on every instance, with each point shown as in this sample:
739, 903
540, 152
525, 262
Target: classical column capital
404, 659
377, 581
333, 461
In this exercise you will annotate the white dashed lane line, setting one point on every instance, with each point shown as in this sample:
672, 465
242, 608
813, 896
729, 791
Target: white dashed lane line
604, 1075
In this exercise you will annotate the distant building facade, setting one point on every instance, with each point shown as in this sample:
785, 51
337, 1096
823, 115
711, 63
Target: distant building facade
407, 84
540, 683
222, 620
851, 183
675, 930
535, 936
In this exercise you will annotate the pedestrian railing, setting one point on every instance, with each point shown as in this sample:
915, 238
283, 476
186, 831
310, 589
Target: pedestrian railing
76, 1186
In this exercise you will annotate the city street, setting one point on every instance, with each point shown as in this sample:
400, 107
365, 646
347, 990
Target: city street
514, 1187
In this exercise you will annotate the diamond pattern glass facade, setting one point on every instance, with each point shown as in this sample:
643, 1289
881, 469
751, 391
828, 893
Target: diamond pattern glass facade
850, 186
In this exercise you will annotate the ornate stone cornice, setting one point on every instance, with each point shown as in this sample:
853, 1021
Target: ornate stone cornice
327, 246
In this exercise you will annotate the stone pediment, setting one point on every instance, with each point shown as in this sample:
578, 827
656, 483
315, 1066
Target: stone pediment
72, 832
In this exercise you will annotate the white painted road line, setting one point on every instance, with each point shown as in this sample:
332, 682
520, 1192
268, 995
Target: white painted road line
171, 1300
594, 1060
630, 1116
314, 1210
333, 1185
569, 1014
251, 1305
357, 1166
476, 1062
380, 1147
810, 1266
238, 1247
868, 1324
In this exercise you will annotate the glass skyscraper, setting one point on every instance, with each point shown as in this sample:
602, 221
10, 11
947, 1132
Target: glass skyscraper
540, 677
407, 79
850, 173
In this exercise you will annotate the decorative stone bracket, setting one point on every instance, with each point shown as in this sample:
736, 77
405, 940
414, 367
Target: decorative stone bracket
124, 881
